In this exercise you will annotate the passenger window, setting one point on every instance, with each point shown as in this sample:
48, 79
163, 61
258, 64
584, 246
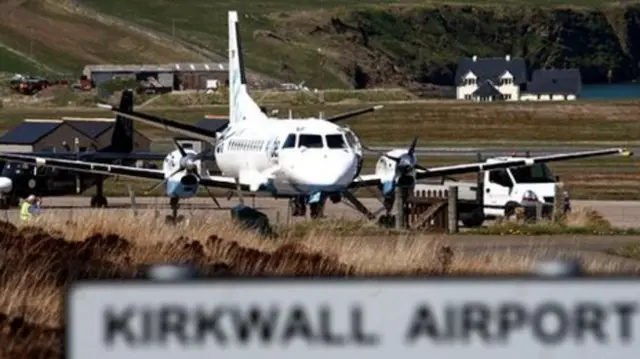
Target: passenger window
336, 141
310, 141
290, 142
500, 177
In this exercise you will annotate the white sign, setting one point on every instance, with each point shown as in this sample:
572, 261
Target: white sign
345, 319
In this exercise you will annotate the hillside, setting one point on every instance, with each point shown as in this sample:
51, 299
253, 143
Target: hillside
331, 43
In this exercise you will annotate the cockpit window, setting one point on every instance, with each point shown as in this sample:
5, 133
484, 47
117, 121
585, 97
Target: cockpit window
336, 141
290, 142
310, 141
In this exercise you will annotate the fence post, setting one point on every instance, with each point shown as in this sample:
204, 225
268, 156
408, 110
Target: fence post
399, 206
539, 211
558, 202
452, 198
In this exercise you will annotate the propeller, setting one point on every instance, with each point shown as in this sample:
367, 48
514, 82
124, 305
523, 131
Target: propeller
187, 162
405, 162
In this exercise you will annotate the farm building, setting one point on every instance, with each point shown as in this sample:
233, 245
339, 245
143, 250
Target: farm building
49, 135
100, 130
505, 78
553, 85
158, 76
490, 79
199, 76
42, 135
176, 76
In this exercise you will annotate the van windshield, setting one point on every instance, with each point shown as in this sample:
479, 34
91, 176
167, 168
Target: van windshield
537, 173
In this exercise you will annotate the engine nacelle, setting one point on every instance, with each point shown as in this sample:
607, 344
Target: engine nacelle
387, 170
182, 184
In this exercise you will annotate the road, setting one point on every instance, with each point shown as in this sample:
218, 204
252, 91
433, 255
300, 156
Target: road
490, 151
588, 248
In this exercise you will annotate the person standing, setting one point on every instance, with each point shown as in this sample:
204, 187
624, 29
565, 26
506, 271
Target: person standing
29, 208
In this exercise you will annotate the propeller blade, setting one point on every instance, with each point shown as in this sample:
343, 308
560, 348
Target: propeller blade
153, 188
412, 149
202, 154
182, 151
163, 181
213, 197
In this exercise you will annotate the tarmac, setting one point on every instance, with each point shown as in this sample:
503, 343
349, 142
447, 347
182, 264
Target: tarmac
585, 247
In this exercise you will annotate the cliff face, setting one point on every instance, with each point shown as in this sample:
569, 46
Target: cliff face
422, 45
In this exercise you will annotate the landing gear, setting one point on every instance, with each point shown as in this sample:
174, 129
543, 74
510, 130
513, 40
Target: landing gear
317, 210
99, 200
174, 218
298, 206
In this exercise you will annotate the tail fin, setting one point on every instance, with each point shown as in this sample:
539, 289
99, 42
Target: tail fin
122, 137
241, 105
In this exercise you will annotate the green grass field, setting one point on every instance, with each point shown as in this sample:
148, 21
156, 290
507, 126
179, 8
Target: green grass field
447, 123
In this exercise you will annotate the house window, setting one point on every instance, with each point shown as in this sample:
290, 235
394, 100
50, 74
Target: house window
506, 81
467, 97
467, 82
506, 97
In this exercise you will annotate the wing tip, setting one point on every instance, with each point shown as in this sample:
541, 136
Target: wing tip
626, 153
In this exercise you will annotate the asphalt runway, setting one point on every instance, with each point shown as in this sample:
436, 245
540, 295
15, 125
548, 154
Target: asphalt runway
623, 214
588, 248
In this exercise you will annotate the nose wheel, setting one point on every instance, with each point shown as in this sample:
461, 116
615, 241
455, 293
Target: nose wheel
174, 218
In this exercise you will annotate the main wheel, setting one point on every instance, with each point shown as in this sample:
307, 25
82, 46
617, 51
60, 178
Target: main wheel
98, 202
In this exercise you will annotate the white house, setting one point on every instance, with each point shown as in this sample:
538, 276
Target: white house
553, 85
490, 79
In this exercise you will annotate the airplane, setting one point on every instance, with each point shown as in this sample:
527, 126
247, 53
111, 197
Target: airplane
19, 180
315, 159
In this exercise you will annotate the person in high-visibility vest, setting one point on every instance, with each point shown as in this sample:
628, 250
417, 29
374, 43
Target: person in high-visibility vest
29, 208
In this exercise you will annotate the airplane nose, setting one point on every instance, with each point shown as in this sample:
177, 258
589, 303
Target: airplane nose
6, 185
329, 171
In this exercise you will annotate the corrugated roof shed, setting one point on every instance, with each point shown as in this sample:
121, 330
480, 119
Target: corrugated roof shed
89, 69
555, 82
28, 133
491, 68
93, 129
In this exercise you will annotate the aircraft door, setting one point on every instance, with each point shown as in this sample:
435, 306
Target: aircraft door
273, 150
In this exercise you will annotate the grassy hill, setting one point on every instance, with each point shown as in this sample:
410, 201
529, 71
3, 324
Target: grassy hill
327, 43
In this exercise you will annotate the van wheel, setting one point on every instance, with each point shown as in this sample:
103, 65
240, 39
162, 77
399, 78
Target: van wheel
510, 209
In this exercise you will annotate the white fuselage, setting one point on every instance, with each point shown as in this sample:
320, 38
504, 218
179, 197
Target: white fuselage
289, 157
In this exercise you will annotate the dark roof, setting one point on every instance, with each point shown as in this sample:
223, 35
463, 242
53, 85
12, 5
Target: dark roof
555, 81
208, 124
491, 68
28, 133
92, 129
486, 89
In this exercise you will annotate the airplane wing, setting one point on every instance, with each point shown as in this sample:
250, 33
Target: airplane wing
371, 180
114, 170
149, 156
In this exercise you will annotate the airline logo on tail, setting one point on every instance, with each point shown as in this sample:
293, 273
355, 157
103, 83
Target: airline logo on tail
241, 105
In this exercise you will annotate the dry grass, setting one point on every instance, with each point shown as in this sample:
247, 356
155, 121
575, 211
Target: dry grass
37, 264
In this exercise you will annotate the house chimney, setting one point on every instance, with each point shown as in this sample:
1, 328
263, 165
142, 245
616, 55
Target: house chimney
475, 58
508, 57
